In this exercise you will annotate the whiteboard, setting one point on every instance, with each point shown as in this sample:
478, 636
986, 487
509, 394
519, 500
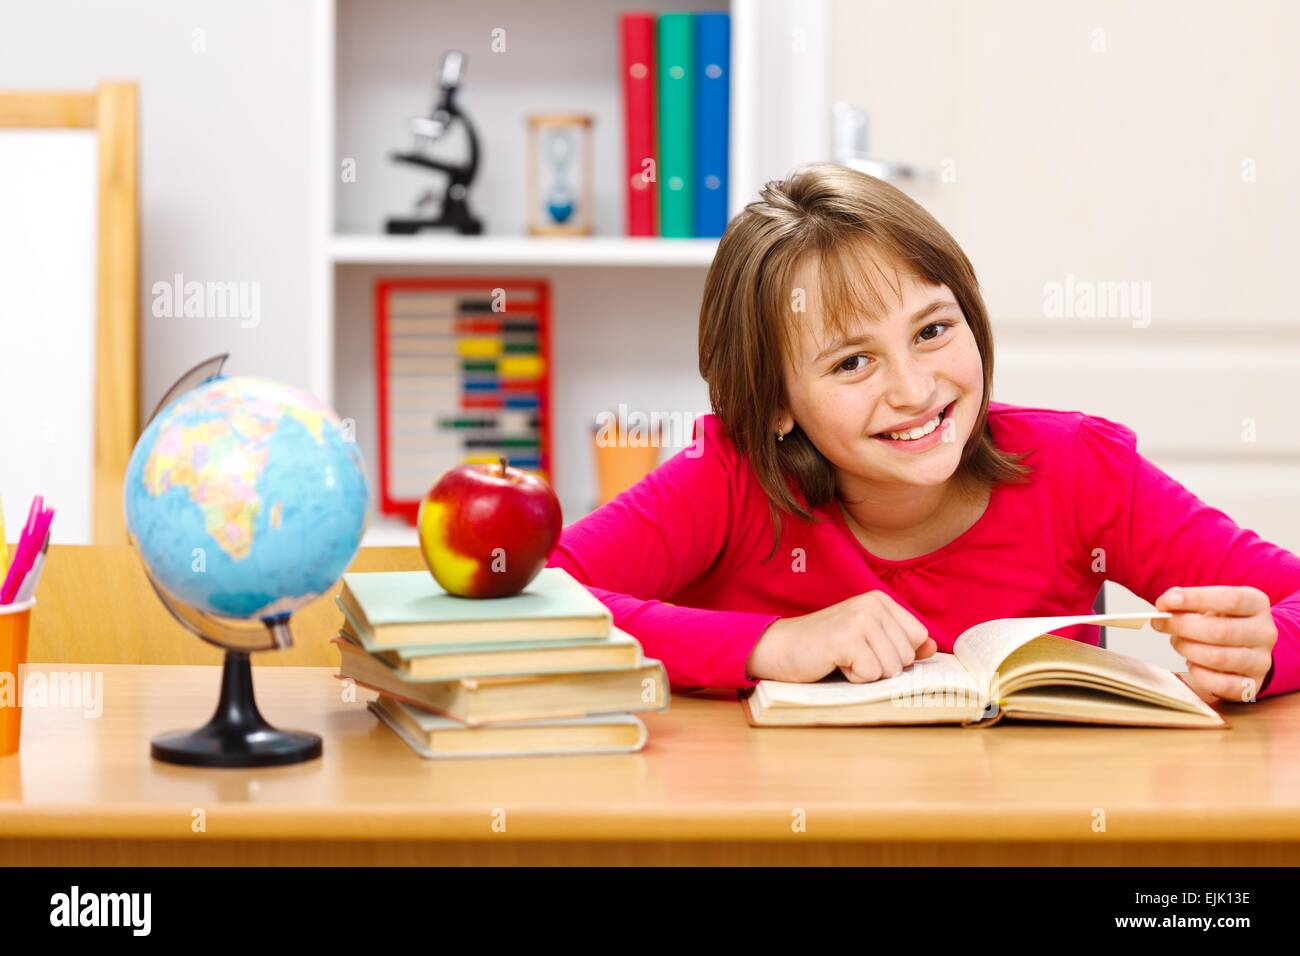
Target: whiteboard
47, 327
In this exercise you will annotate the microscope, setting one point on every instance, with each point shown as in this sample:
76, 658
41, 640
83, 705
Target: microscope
449, 208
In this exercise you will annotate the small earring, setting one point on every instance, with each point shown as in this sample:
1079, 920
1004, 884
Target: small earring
780, 435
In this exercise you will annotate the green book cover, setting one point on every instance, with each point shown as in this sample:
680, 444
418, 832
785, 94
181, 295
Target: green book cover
676, 51
415, 652
413, 597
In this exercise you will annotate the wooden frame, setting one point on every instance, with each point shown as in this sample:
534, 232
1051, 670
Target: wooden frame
112, 112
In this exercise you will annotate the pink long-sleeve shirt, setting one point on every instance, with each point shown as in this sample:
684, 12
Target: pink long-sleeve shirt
679, 557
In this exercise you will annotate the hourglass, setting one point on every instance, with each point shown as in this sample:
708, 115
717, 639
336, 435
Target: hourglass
559, 175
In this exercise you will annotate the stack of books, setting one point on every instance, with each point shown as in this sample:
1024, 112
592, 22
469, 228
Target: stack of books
541, 672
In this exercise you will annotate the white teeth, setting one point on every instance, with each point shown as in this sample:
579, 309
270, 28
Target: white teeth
920, 431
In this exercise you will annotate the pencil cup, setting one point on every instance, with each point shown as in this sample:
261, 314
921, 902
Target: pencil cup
622, 460
14, 621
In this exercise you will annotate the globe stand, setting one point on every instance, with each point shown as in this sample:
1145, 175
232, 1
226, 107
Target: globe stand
237, 735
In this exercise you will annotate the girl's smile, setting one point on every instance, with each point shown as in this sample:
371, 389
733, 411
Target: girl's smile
919, 434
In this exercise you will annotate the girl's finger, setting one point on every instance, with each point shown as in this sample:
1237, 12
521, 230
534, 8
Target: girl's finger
888, 642
864, 668
1215, 657
1214, 629
1192, 681
1235, 600
913, 629
904, 646
1231, 687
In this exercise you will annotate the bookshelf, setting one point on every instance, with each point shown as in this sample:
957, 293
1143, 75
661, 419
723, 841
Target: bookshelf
625, 309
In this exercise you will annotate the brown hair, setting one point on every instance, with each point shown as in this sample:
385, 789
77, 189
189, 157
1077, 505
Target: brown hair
829, 212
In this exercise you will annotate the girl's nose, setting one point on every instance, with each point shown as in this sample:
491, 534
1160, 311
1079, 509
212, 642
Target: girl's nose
910, 383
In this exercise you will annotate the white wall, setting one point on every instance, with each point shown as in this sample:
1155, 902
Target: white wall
1117, 163
224, 159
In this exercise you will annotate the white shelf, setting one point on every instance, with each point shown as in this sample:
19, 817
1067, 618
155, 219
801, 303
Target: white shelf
437, 250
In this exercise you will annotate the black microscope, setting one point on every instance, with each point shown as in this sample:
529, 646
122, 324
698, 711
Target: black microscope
452, 204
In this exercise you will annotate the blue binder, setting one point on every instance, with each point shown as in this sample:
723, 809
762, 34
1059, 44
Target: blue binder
712, 118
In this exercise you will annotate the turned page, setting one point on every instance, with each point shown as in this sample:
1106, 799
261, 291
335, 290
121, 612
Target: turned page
982, 648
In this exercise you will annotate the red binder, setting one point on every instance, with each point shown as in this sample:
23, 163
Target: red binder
637, 32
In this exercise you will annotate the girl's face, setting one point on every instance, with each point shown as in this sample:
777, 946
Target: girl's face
896, 402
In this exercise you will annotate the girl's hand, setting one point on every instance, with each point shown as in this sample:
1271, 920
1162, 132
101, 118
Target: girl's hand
867, 636
1226, 633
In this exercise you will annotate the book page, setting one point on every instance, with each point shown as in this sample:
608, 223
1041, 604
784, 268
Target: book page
941, 672
1057, 659
983, 648
1088, 705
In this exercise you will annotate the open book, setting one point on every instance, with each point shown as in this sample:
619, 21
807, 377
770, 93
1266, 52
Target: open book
1011, 667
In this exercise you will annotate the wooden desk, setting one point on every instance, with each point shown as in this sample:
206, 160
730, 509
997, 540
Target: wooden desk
707, 789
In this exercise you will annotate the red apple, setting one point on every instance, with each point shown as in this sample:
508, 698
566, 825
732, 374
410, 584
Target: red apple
487, 530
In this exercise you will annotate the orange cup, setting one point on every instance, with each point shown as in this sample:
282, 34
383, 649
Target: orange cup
14, 622
620, 465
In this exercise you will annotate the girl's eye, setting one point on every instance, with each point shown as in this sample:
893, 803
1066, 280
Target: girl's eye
931, 332
940, 326
844, 366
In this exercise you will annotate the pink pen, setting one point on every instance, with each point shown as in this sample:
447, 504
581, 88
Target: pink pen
28, 547
27, 589
30, 526
34, 512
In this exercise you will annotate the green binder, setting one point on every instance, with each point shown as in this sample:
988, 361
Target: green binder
676, 49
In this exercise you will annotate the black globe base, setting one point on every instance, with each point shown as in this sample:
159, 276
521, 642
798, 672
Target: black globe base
237, 735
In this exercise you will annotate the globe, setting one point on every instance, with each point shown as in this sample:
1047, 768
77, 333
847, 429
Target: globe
245, 499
